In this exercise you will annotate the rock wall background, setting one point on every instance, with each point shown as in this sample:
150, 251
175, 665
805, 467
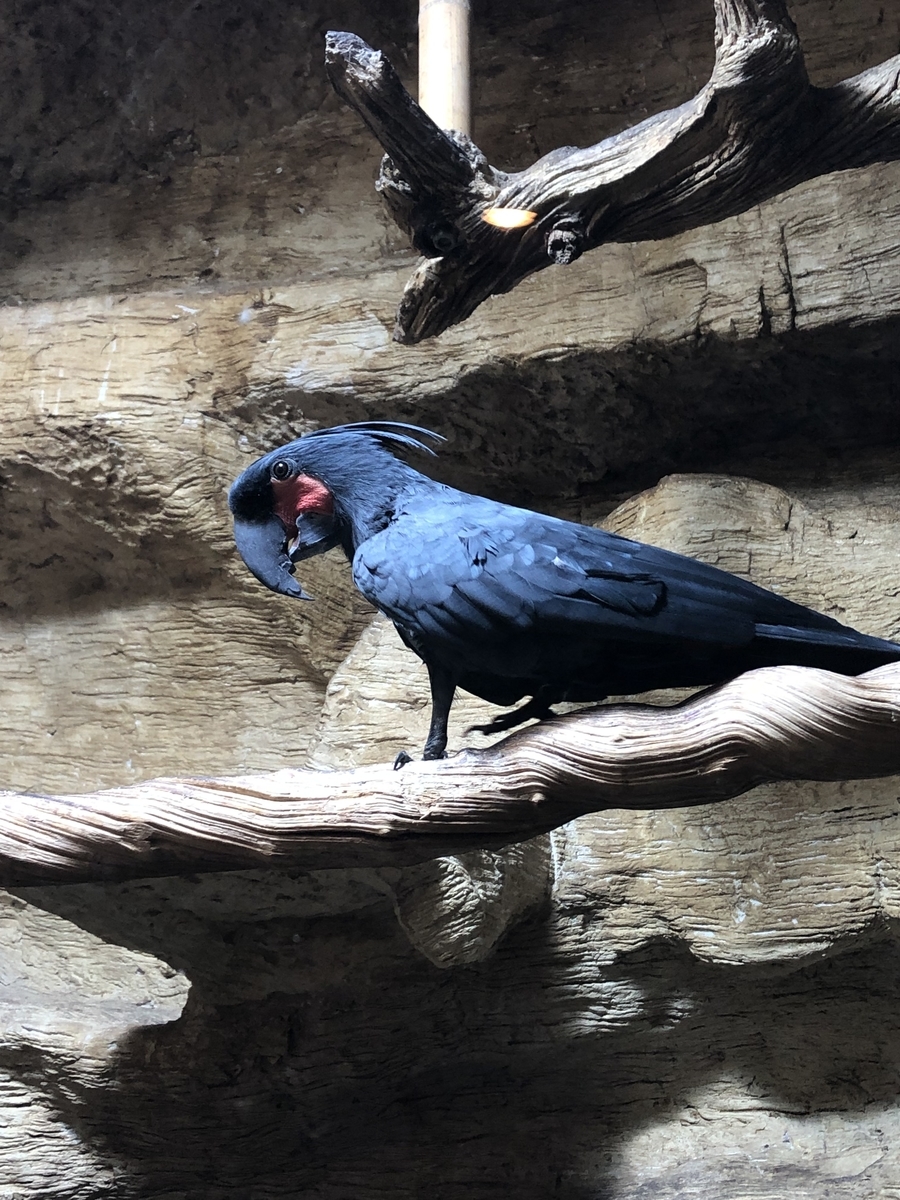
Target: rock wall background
194, 267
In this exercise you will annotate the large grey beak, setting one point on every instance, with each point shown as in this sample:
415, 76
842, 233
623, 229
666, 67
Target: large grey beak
263, 547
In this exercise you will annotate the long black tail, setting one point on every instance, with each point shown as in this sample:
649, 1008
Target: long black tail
838, 648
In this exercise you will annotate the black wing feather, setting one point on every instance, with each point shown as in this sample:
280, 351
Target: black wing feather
498, 591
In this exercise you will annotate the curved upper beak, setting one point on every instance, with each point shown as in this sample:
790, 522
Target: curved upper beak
263, 547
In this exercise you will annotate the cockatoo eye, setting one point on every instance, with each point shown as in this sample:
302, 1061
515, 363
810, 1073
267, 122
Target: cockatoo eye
281, 469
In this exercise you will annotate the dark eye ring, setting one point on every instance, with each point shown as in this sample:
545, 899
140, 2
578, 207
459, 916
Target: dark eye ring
281, 469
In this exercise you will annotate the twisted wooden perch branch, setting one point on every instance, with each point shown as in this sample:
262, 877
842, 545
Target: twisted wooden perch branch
771, 724
757, 128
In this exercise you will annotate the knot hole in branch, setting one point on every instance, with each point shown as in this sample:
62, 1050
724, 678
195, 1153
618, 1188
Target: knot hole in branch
565, 241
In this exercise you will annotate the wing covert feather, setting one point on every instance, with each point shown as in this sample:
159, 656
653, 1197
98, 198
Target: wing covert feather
467, 569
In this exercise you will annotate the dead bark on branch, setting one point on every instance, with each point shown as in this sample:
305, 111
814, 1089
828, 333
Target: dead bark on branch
757, 128
772, 724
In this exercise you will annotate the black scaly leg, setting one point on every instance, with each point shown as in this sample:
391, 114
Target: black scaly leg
443, 689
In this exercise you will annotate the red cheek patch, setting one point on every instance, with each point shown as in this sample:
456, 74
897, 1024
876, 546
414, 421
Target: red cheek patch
298, 495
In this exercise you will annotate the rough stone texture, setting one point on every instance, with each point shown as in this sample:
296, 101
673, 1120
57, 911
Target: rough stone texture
707, 1005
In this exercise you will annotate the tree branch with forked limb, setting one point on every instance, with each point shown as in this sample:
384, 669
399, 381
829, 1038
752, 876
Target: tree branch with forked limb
775, 723
757, 128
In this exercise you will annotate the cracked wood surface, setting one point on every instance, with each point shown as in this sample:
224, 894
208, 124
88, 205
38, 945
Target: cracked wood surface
777, 723
757, 128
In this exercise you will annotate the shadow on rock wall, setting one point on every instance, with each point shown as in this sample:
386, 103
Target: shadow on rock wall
325, 1058
604, 426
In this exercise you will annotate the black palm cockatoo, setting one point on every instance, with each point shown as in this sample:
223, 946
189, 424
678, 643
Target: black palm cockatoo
508, 603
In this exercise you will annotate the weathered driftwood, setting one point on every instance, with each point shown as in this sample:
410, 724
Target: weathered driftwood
757, 128
775, 723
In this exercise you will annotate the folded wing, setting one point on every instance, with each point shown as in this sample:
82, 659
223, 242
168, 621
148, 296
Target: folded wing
502, 591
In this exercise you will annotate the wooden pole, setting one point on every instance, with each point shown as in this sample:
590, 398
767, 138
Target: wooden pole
444, 90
